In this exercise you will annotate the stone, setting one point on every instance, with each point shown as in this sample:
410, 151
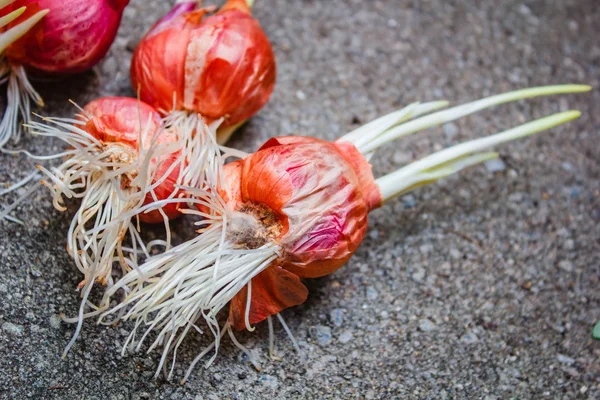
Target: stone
425, 325
13, 329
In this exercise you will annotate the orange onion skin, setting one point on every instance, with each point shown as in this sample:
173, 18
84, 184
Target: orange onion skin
219, 66
73, 37
116, 120
322, 193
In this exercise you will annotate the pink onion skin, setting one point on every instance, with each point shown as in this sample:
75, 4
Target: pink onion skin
322, 199
73, 37
322, 193
117, 120
220, 65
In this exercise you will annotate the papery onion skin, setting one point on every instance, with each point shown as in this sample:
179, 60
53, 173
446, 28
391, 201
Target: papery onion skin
322, 192
73, 37
219, 66
116, 120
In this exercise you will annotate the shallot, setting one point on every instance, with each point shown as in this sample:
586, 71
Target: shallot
124, 166
50, 37
297, 208
216, 66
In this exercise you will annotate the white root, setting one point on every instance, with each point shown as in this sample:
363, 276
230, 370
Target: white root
291, 336
4, 214
113, 182
197, 279
20, 93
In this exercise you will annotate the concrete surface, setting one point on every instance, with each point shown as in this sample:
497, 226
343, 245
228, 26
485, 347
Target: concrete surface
482, 287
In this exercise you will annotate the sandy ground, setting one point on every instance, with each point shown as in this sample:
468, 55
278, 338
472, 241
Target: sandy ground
482, 287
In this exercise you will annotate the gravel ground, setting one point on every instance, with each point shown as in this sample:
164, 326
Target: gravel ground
482, 287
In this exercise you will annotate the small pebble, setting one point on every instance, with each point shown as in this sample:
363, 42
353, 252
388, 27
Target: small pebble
55, 321
426, 325
450, 130
337, 317
566, 265
372, 294
345, 337
496, 165
132, 45
323, 334
565, 359
567, 166
426, 249
455, 253
469, 338
418, 275
269, 381
13, 329
524, 10
300, 95
409, 201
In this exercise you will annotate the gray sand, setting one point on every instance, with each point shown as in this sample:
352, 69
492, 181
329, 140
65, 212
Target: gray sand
484, 286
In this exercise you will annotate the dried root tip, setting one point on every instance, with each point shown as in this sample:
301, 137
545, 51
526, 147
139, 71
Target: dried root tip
292, 338
237, 344
86, 292
453, 159
23, 182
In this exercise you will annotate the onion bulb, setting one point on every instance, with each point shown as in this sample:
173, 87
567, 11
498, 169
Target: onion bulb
124, 166
219, 66
50, 37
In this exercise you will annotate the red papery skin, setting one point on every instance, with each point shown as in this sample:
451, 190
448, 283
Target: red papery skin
116, 120
322, 193
219, 66
73, 37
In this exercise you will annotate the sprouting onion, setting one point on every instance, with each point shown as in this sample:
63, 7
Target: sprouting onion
124, 166
50, 38
194, 64
296, 208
